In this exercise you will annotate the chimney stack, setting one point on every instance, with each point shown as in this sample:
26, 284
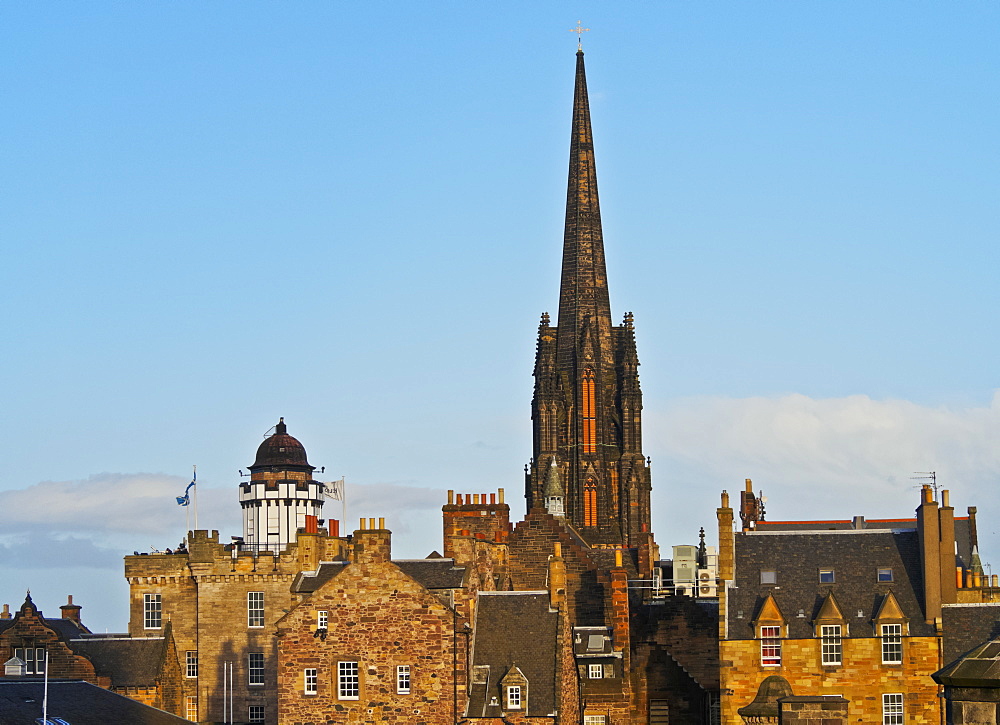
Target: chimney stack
557, 578
69, 610
371, 545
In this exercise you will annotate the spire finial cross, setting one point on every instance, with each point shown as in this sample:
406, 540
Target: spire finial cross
579, 30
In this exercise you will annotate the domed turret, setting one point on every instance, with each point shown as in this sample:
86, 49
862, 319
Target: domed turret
281, 450
280, 494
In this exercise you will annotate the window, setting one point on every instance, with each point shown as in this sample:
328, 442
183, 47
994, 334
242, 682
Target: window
892, 708
256, 713
595, 672
255, 609
255, 671
403, 680
514, 697
322, 619
770, 646
348, 684
892, 644
152, 611
826, 576
768, 577
590, 503
191, 708
589, 413
885, 575
191, 663
33, 659
310, 681
830, 644
594, 720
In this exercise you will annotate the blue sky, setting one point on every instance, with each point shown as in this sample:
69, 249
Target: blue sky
349, 214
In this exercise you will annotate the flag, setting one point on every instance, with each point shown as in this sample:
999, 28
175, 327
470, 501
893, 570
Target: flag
185, 500
335, 490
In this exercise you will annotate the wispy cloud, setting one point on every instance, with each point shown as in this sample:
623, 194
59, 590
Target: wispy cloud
833, 457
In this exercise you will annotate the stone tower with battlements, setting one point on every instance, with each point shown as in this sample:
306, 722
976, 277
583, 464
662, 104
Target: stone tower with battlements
587, 404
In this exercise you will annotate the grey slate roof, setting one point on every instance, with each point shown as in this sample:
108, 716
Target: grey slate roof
515, 629
963, 530
65, 628
967, 626
978, 668
436, 573
128, 662
855, 557
79, 703
433, 573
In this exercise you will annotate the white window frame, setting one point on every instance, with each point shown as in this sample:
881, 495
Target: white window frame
884, 576
191, 708
255, 610
191, 663
831, 644
310, 681
255, 713
348, 681
595, 672
770, 645
33, 659
152, 611
827, 576
892, 644
892, 708
255, 669
322, 619
513, 697
594, 720
403, 683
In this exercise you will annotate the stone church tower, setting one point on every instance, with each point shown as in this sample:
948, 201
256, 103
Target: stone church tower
587, 404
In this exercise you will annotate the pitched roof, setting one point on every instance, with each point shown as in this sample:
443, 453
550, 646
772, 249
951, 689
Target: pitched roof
306, 582
514, 629
128, 662
79, 703
967, 626
978, 668
855, 556
433, 573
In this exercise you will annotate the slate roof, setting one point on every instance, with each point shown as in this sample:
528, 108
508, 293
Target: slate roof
128, 662
967, 626
306, 582
431, 573
978, 668
963, 530
855, 556
65, 628
514, 629
79, 703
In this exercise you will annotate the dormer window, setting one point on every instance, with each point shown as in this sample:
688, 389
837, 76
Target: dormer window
514, 697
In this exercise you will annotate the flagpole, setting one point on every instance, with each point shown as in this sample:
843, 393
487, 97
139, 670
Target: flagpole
45, 697
194, 479
343, 501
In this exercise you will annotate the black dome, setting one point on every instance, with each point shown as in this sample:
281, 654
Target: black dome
281, 450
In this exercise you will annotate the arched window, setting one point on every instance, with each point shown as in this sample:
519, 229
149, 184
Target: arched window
589, 503
589, 412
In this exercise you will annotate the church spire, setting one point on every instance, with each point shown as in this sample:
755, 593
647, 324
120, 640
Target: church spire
586, 410
583, 293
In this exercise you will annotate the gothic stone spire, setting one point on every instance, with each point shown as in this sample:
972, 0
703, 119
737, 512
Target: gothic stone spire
587, 402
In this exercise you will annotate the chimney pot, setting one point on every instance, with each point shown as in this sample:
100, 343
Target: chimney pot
725, 499
945, 498
363, 522
381, 522
558, 550
500, 494
749, 485
451, 496
493, 498
371, 523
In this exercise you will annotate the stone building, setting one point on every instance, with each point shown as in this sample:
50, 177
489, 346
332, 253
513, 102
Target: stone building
143, 669
846, 608
222, 600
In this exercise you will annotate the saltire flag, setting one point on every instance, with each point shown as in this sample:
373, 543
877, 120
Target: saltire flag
185, 500
335, 490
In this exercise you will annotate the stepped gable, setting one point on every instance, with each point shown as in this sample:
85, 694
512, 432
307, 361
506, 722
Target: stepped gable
514, 629
128, 662
853, 555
